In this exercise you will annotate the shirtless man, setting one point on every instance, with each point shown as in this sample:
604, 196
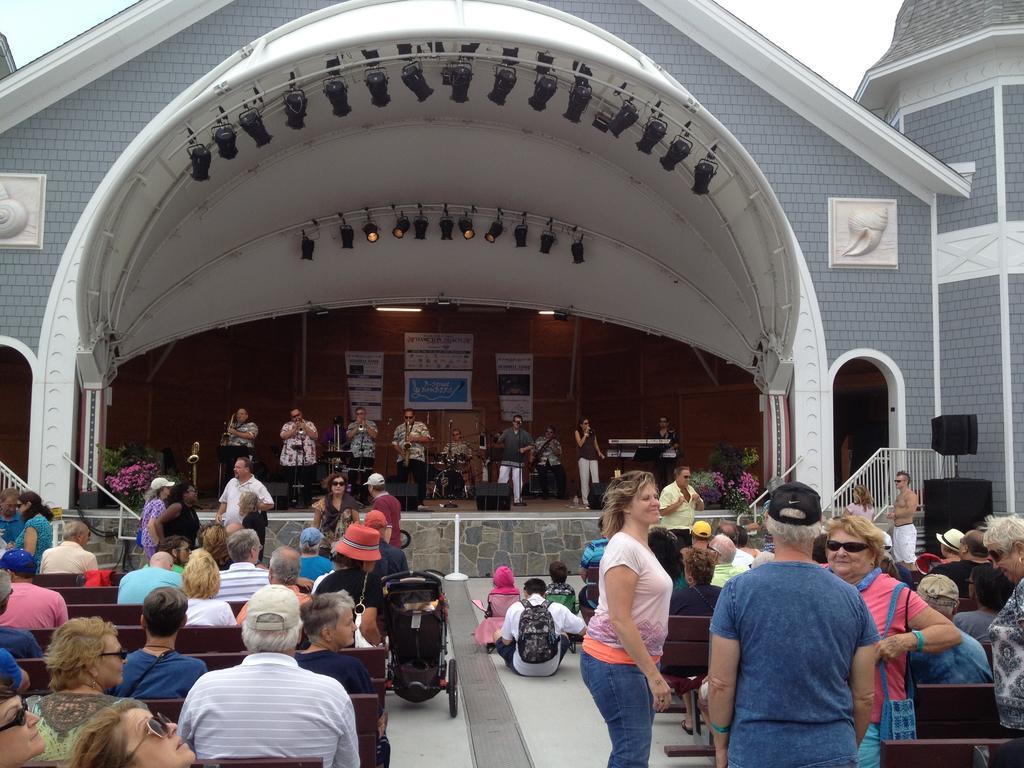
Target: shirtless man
904, 534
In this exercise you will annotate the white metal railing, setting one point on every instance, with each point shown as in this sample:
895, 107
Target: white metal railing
752, 509
9, 479
124, 508
878, 475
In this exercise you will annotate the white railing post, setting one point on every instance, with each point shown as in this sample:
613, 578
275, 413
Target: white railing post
456, 574
120, 504
9, 479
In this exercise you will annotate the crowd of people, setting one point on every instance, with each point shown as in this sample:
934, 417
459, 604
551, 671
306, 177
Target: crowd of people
816, 644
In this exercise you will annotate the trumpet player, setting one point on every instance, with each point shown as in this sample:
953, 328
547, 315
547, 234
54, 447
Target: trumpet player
299, 452
362, 439
410, 440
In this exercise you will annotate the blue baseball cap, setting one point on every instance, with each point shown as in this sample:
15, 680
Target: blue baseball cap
310, 537
18, 561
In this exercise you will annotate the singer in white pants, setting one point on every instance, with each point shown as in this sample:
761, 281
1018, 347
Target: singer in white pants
589, 453
588, 475
515, 443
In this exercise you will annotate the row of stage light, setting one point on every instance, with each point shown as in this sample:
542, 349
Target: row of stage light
459, 76
420, 225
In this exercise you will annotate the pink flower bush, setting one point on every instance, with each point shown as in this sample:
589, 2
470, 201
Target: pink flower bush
131, 482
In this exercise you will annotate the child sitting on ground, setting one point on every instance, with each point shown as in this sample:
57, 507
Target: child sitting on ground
504, 594
558, 591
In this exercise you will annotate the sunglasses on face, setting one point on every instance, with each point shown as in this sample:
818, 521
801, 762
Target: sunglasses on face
338, 482
158, 726
20, 718
849, 546
121, 652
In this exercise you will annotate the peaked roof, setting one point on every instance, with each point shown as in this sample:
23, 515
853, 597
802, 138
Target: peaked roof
925, 24
147, 23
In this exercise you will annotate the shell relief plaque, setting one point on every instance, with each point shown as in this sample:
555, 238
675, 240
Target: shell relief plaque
22, 201
862, 233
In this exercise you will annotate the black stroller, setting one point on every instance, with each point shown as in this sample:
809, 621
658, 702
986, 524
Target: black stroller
416, 618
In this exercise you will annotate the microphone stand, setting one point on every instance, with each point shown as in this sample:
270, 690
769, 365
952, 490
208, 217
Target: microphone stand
448, 503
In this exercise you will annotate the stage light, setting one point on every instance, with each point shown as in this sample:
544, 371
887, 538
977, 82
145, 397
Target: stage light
461, 77
401, 226
520, 235
504, 82
252, 123
337, 93
678, 151
419, 226
703, 173
224, 137
579, 98
466, 227
398, 309
495, 231
547, 239
654, 132
307, 247
577, 250
447, 225
561, 314
295, 109
347, 236
201, 158
625, 117
371, 232
412, 76
377, 84
544, 88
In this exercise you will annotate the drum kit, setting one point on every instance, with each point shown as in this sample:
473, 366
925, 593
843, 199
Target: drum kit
449, 480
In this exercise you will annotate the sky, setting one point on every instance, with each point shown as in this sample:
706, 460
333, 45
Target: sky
839, 41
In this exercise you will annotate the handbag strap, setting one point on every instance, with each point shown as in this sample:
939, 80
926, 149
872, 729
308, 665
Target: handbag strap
138, 680
885, 633
361, 605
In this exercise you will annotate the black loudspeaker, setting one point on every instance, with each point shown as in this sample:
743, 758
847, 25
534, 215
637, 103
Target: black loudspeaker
596, 498
280, 493
958, 502
955, 434
493, 496
406, 493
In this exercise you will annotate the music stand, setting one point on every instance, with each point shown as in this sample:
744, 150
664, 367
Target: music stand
648, 452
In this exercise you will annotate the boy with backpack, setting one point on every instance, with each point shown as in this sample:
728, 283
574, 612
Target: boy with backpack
558, 591
533, 639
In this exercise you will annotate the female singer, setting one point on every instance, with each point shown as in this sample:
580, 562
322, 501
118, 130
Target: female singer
590, 452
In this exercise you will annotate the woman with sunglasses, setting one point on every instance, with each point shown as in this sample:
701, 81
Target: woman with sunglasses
1004, 539
84, 659
336, 511
19, 737
855, 548
125, 735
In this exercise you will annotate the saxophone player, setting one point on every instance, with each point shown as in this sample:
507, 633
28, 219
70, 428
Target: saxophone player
240, 435
410, 440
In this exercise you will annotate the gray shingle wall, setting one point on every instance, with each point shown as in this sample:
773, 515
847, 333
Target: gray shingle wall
957, 131
1016, 294
1013, 150
972, 372
76, 140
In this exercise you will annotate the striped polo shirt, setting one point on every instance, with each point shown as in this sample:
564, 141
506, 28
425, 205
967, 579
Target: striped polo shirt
240, 581
268, 706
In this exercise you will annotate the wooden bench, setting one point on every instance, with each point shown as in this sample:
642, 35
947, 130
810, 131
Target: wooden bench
688, 644
57, 580
958, 712
966, 604
190, 639
936, 753
120, 614
366, 705
40, 676
88, 595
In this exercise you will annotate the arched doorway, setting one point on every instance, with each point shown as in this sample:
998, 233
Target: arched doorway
16, 369
159, 254
867, 409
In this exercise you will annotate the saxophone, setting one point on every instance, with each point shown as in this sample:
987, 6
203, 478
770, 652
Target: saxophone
193, 460
406, 449
225, 438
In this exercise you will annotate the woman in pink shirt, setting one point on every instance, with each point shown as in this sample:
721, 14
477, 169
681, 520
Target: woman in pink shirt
627, 632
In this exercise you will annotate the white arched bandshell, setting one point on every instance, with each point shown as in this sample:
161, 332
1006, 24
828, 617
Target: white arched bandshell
866, 229
13, 216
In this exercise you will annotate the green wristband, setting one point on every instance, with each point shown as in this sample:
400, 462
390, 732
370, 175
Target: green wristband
920, 640
719, 728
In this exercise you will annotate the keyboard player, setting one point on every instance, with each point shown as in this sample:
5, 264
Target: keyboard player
663, 466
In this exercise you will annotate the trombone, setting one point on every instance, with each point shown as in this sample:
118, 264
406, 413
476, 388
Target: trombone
193, 460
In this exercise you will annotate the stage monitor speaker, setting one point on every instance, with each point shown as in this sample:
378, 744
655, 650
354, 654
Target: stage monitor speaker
595, 500
406, 493
280, 493
955, 434
959, 503
493, 496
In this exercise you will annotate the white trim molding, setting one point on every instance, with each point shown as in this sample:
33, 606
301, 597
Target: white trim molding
1004, 305
896, 386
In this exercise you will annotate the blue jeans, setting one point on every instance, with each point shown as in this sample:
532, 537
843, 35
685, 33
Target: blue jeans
625, 702
870, 753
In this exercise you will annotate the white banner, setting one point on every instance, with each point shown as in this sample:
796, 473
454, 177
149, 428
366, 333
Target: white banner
430, 390
365, 373
439, 351
515, 385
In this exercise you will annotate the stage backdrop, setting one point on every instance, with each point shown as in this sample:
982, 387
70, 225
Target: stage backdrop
515, 385
432, 390
365, 383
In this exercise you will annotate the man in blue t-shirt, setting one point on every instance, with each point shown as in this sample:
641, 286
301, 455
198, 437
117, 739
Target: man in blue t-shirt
18, 642
11, 523
961, 664
157, 671
134, 586
792, 653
